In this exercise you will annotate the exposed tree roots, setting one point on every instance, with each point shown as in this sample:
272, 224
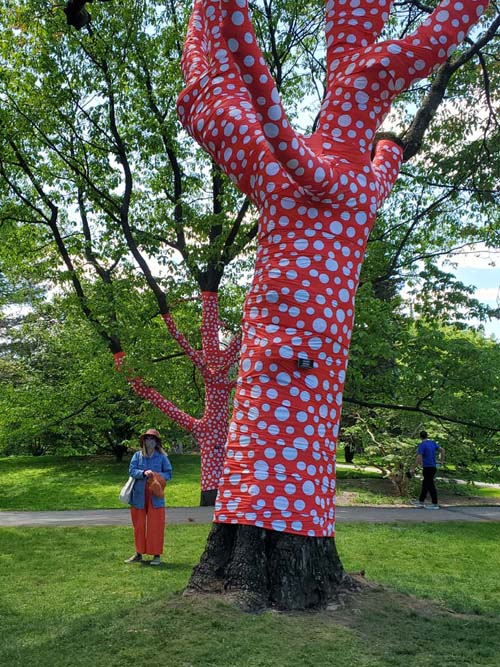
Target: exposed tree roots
258, 568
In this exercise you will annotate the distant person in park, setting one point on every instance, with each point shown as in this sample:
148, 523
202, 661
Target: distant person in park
348, 454
151, 469
426, 458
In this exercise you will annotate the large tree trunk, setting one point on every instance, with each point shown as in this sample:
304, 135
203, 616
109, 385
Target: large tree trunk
261, 568
317, 198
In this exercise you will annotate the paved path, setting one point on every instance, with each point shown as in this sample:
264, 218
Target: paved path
191, 515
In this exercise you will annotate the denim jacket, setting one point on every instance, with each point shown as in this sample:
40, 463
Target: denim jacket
158, 462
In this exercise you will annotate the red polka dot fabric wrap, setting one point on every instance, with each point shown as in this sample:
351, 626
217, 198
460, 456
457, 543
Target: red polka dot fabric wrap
214, 364
317, 198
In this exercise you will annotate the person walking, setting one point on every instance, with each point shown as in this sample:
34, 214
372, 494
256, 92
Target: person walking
151, 469
426, 458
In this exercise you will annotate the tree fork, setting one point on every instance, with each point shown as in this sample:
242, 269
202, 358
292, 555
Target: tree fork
260, 568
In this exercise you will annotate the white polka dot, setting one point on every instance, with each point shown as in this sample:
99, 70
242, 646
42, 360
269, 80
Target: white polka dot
282, 414
272, 168
344, 295
319, 325
271, 130
283, 379
289, 453
281, 503
237, 18
286, 352
308, 488
279, 525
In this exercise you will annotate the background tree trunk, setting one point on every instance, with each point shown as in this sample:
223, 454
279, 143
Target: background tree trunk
207, 497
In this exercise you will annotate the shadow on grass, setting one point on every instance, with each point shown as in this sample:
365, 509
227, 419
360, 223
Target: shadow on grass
374, 628
171, 567
405, 630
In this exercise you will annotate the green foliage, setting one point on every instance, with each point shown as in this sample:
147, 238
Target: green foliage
58, 390
436, 378
90, 148
63, 398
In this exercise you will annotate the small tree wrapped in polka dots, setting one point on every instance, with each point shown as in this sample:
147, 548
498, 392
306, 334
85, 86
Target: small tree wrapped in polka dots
214, 363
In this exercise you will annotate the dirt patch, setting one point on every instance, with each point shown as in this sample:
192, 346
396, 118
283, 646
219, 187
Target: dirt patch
382, 492
369, 600
350, 490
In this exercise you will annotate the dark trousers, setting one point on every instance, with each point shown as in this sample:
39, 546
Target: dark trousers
428, 486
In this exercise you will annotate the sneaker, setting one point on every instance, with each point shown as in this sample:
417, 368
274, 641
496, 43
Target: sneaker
417, 503
136, 558
432, 507
156, 561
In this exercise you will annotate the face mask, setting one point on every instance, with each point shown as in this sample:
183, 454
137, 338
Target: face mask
150, 445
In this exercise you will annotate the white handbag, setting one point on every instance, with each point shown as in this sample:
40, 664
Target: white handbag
126, 491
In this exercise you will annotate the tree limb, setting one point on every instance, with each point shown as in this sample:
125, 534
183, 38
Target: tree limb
424, 411
413, 137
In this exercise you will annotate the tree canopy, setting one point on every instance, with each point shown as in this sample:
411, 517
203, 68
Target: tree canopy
104, 197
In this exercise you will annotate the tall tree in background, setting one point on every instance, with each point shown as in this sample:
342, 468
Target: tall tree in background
94, 202
96, 170
317, 197
58, 90
94, 167
214, 365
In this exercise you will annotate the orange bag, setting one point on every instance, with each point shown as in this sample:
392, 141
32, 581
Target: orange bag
157, 485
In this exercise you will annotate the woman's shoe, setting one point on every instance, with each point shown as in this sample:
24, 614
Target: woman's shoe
156, 561
136, 558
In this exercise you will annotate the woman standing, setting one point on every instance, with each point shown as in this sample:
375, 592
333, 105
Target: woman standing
147, 509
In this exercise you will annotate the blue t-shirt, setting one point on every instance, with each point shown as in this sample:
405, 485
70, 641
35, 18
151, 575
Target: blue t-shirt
427, 450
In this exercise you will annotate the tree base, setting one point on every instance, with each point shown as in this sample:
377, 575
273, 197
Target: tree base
207, 498
260, 568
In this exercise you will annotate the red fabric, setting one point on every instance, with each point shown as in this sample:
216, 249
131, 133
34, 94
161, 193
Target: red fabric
119, 357
211, 430
149, 527
214, 363
317, 198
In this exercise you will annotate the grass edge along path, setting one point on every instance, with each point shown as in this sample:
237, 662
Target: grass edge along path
69, 600
75, 483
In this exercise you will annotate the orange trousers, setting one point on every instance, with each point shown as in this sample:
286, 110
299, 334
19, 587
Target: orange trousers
149, 527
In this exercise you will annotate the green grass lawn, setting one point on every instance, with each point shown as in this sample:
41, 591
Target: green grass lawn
73, 483
476, 471
487, 493
67, 600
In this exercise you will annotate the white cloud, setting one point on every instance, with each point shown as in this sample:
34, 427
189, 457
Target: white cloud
489, 295
475, 257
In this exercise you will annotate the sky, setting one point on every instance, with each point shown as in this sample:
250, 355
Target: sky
480, 267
